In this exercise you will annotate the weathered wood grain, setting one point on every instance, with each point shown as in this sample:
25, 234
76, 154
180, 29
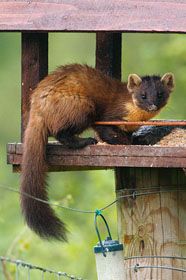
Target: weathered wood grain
56, 149
34, 68
153, 224
105, 156
98, 15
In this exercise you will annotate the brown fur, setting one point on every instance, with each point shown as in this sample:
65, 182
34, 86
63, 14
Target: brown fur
64, 104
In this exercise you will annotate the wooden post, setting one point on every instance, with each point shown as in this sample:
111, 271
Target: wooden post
108, 53
152, 224
34, 68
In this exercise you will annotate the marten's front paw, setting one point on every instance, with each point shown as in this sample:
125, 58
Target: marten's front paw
79, 143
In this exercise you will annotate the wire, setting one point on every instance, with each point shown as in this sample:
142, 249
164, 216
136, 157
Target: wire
137, 266
44, 270
47, 202
133, 195
64, 274
154, 257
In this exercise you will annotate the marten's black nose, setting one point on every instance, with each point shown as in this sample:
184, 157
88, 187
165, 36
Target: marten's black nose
152, 107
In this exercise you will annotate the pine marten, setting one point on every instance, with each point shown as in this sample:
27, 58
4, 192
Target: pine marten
63, 105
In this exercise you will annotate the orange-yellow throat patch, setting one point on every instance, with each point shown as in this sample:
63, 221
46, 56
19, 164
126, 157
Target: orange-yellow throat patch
136, 114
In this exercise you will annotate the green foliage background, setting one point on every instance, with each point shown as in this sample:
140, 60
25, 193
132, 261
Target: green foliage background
141, 54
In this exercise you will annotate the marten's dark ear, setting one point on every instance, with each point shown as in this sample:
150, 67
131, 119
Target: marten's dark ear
134, 81
168, 80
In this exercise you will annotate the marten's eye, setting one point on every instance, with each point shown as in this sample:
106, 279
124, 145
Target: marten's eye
143, 96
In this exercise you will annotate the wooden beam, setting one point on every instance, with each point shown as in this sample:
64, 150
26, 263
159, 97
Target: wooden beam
98, 15
152, 224
105, 156
34, 68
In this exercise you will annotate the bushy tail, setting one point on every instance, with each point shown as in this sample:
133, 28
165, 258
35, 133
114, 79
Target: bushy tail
39, 216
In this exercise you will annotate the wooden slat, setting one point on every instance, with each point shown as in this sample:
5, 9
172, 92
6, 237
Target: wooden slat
34, 68
106, 156
98, 15
57, 149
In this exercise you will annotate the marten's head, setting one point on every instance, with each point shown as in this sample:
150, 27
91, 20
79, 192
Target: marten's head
150, 93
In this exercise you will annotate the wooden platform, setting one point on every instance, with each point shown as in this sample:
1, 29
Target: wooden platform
103, 156
98, 15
